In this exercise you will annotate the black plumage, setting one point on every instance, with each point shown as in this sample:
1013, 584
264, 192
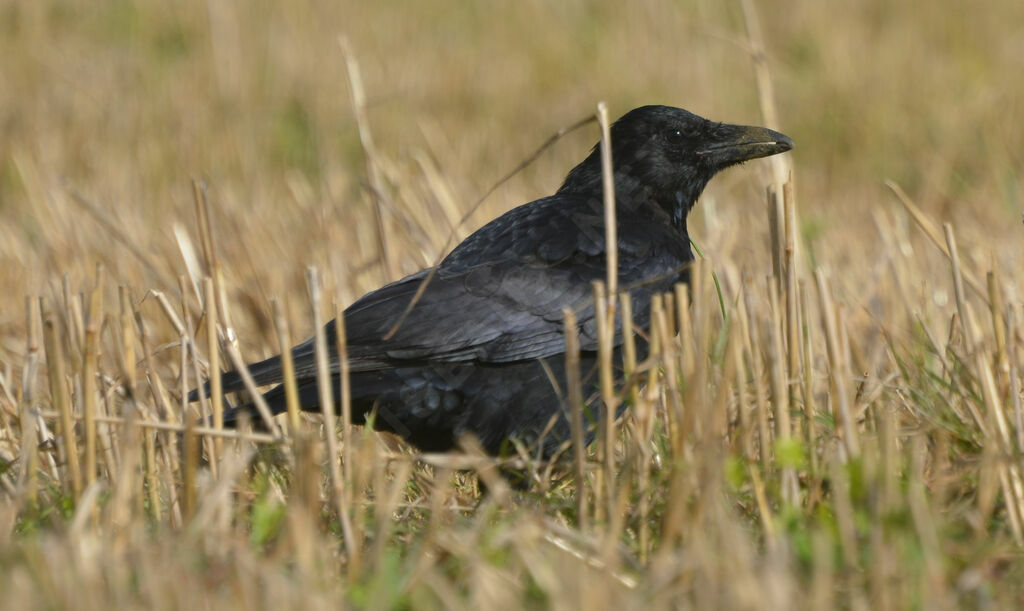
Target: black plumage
479, 351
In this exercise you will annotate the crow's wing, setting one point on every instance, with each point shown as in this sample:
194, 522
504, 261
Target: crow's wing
499, 296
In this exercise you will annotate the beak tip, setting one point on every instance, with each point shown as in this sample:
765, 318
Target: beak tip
783, 142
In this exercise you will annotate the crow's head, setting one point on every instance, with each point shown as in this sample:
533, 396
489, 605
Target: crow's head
669, 154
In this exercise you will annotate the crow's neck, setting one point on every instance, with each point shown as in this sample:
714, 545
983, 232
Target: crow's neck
636, 195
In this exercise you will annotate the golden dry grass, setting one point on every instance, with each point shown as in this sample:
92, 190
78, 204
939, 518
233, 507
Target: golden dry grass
849, 435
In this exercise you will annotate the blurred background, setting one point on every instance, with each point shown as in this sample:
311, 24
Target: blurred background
121, 104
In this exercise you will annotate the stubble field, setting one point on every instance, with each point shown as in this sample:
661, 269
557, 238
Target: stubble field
833, 421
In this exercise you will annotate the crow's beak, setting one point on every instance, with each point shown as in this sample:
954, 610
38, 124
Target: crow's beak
737, 143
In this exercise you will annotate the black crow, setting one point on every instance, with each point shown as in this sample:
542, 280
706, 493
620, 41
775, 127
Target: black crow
482, 351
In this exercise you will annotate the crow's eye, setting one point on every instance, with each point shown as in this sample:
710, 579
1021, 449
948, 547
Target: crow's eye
674, 136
